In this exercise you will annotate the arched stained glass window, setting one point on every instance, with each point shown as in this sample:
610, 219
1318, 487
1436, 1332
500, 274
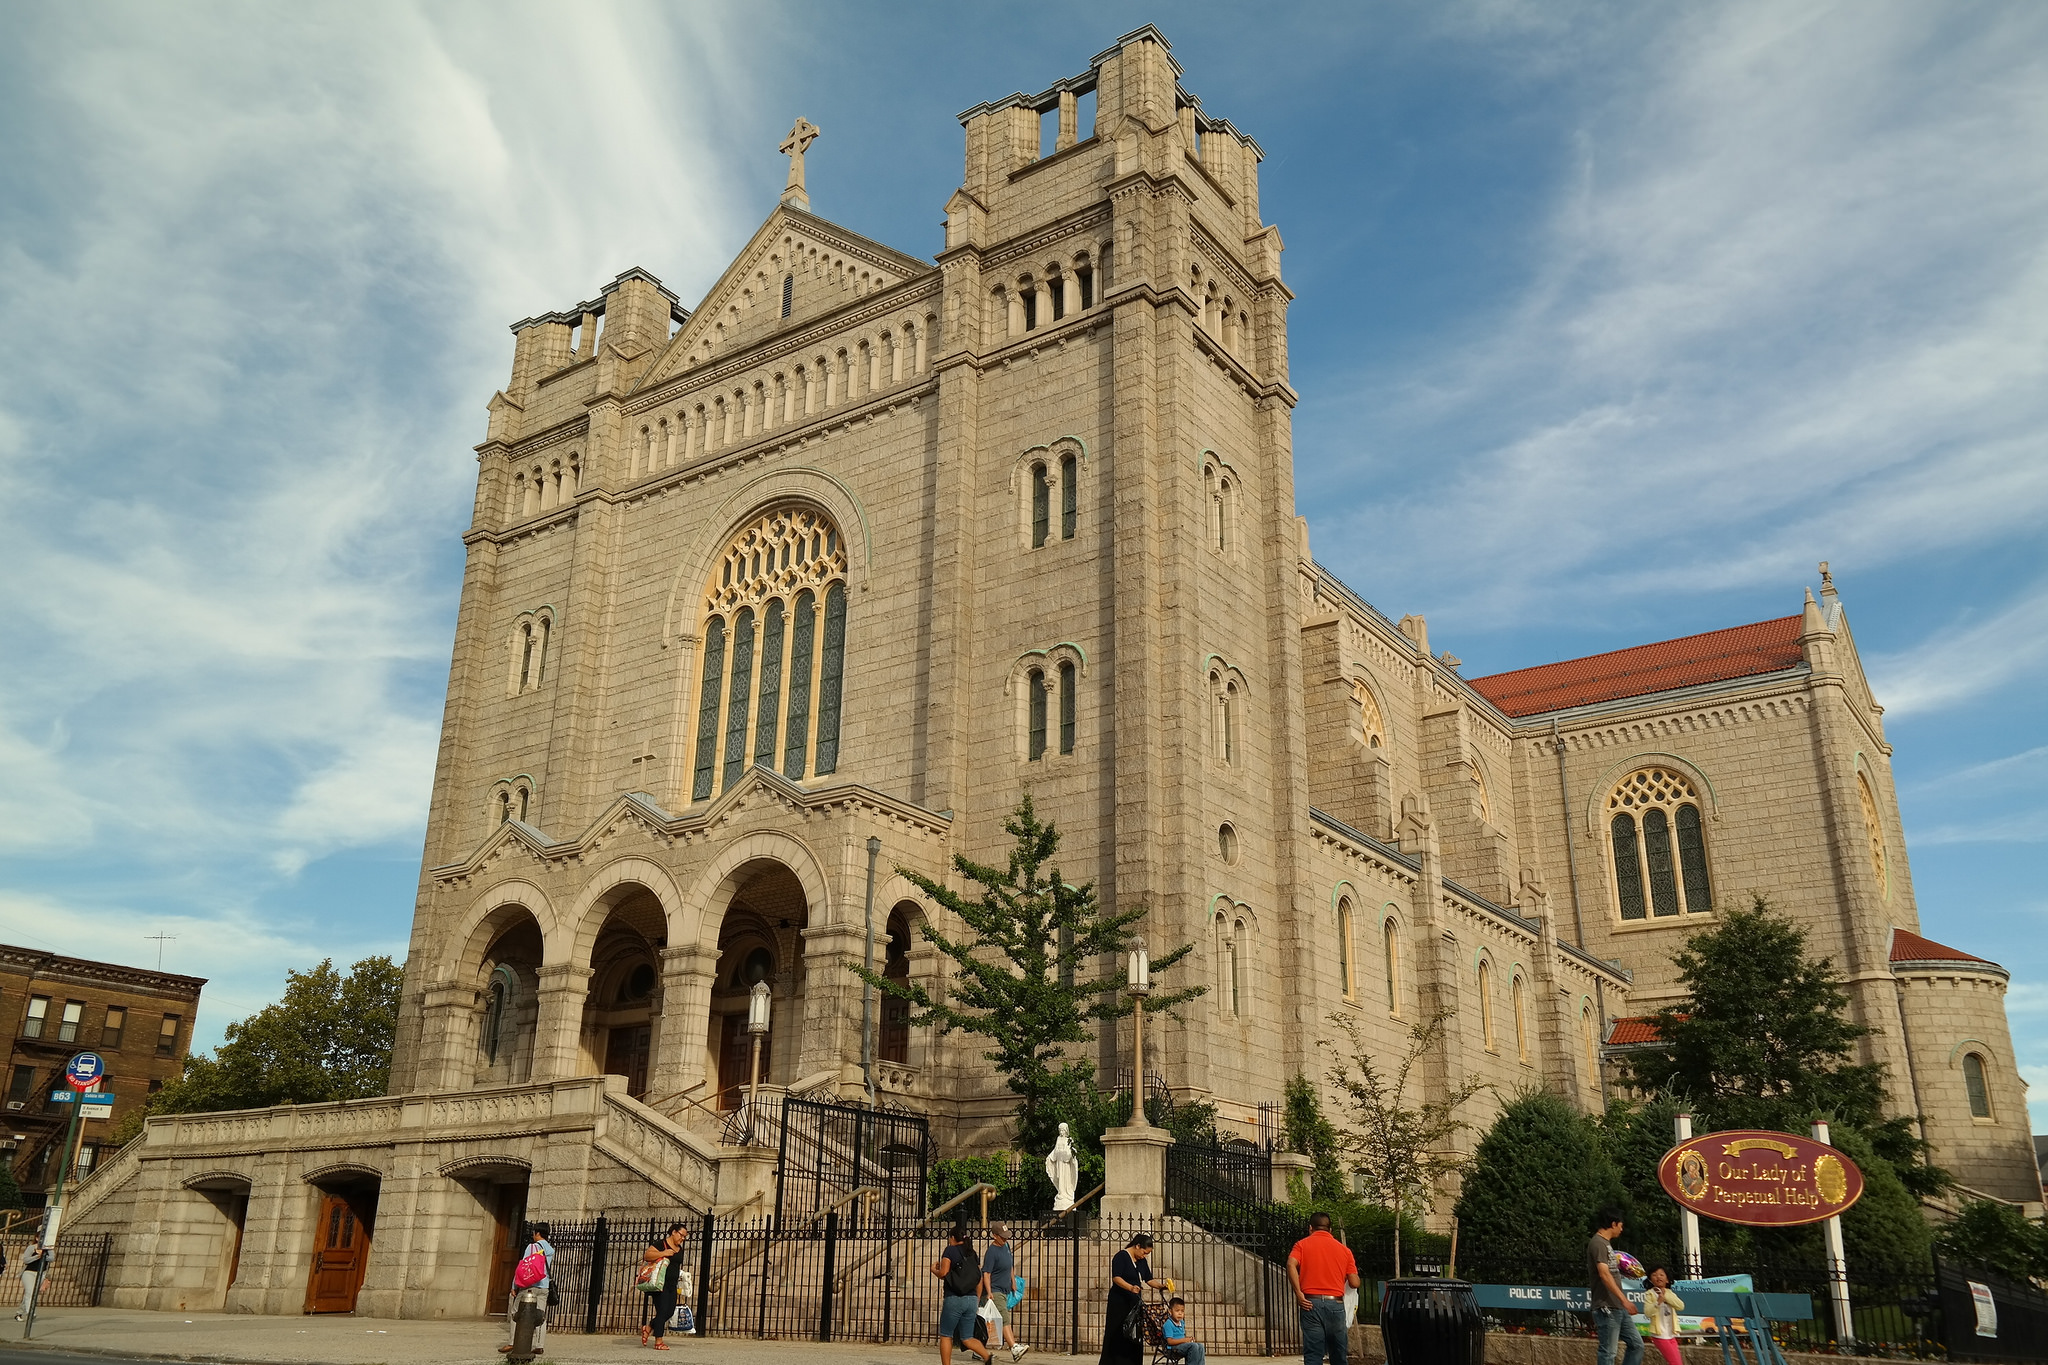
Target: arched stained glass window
1692, 859
1070, 496
770, 685
1651, 875
1035, 743
1344, 958
797, 737
1486, 1001
1873, 830
1041, 506
1628, 866
1066, 707
737, 702
831, 679
1663, 874
1518, 994
1393, 947
1973, 1082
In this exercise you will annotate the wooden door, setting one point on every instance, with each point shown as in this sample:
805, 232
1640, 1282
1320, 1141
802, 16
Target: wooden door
735, 1059
625, 1054
341, 1252
508, 1218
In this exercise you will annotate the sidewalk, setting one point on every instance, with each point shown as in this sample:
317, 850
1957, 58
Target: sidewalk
339, 1339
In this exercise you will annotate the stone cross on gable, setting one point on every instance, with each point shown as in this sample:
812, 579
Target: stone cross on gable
801, 136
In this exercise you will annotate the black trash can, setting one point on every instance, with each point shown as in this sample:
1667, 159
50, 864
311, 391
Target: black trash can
1432, 1322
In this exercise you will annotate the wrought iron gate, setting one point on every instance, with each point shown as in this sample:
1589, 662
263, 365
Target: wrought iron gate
830, 1151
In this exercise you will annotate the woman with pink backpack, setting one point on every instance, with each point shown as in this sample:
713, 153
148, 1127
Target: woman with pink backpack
530, 1285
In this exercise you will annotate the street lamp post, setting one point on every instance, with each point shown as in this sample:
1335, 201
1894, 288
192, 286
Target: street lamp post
1139, 984
757, 1024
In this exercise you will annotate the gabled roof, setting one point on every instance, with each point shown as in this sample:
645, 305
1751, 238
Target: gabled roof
1717, 655
1910, 947
883, 263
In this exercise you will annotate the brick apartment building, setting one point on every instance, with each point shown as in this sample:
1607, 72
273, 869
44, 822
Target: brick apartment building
139, 1021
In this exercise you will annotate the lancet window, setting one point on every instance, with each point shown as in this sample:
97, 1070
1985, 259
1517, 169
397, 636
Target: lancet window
774, 651
1657, 842
1873, 830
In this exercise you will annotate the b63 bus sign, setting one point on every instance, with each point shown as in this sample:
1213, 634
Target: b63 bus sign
1759, 1179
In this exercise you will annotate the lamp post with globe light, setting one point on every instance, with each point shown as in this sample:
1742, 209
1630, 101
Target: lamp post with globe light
757, 1025
1138, 984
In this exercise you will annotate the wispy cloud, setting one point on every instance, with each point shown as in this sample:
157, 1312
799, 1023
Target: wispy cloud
1966, 660
1791, 302
258, 263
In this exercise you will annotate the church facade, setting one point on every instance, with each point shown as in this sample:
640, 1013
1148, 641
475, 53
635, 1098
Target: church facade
864, 548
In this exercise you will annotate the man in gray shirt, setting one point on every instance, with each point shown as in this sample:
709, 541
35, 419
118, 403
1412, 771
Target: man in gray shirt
1613, 1315
998, 1282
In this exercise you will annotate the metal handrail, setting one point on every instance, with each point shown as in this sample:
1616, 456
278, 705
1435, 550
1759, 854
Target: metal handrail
980, 1187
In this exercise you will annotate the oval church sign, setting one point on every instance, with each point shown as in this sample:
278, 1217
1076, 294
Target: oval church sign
1760, 1179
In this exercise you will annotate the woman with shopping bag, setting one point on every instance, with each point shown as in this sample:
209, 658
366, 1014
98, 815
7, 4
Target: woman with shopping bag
661, 1278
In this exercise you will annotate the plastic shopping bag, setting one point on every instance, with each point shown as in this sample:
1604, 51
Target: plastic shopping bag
1350, 1306
683, 1320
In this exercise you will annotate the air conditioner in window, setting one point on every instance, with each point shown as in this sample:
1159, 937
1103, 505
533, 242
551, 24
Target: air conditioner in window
16, 1104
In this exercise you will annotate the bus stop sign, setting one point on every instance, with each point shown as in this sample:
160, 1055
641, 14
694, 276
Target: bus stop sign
84, 1070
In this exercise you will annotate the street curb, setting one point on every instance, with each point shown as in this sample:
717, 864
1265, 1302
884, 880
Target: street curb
125, 1353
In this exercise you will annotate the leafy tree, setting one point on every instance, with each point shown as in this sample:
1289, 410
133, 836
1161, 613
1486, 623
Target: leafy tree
1030, 978
1311, 1134
1538, 1175
1764, 1041
1403, 1153
1998, 1236
329, 1038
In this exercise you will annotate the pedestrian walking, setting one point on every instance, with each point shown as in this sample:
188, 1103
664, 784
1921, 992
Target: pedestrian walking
1662, 1308
1321, 1268
530, 1285
32, 1261
960, 1281
1123, 1323
998, 1288
662, 1264
1613, 1315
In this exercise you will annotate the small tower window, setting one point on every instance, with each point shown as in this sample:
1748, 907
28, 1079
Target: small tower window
1066, 707
1035, 743
1344, 959
1070, 496
1041, 505
1973, 1082
788, 293
1517, 993
1486, 1003
1393, 951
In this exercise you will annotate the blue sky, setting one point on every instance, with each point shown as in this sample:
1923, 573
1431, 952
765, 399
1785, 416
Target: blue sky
1612, 320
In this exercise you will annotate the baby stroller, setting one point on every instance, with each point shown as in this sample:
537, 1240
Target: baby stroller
1155, 1329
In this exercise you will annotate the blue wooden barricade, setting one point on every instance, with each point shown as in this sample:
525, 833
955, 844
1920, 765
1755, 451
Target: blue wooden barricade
1757, 1311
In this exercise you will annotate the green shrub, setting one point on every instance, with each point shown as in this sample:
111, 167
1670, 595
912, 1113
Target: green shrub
1536, 1179
1997, 1236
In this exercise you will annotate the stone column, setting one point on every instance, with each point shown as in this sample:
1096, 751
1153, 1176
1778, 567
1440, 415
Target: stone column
680, 1029
1134, 1176
558, 1033
829, 1033
445, 1009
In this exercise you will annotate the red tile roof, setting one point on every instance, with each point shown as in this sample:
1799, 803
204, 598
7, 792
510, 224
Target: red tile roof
1913, 948
1641, 1029
1737, 652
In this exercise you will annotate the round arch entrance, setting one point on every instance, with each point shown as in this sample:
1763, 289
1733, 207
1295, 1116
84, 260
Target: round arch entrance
760, 938
625, 978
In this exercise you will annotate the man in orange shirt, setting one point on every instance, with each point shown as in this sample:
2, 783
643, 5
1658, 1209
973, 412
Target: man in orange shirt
1320, 1268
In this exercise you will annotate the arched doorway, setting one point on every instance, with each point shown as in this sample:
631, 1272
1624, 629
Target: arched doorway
346, 1217
625, 981
894, 1044
508, 999
759, 939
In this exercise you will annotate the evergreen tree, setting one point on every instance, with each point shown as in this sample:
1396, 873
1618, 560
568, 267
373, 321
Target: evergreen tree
1030, 976
1764, 1041
1311, 1134
1537, 1177
329, 1038
1998, 1236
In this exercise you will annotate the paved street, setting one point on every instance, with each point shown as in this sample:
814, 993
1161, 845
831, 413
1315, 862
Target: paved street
100, 1334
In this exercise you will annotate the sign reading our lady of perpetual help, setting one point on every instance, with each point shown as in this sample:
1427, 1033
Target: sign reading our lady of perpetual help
1760, 1179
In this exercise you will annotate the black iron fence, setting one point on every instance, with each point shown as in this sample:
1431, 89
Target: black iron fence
1987, 1316
75, 1278
828, 1152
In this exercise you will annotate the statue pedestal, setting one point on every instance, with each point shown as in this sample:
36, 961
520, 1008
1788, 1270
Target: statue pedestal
1134, 1176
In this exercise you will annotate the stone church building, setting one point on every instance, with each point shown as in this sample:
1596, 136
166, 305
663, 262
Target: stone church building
864, 547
